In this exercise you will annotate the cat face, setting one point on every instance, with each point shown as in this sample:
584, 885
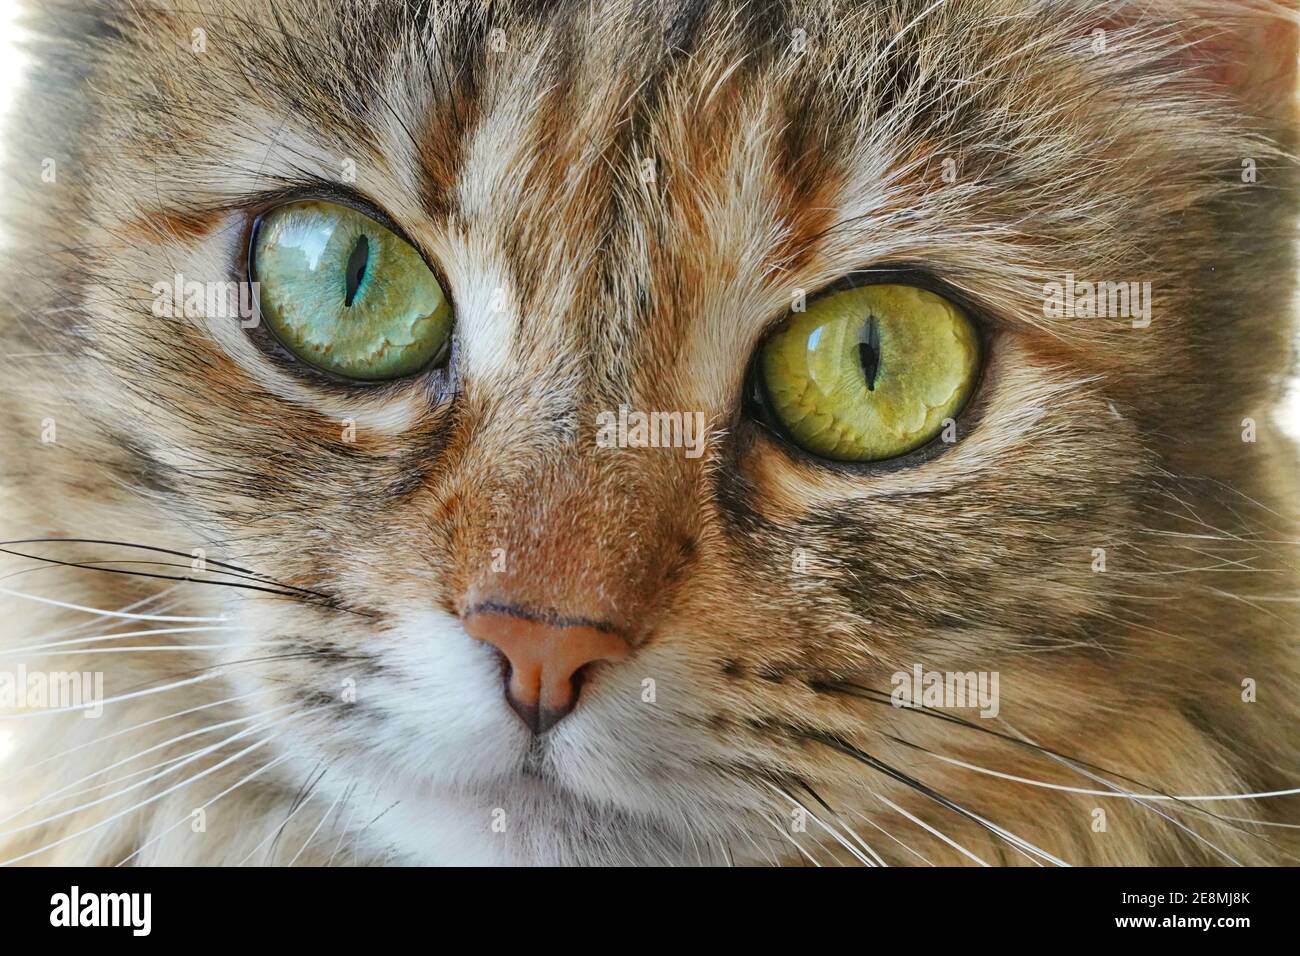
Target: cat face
621, 210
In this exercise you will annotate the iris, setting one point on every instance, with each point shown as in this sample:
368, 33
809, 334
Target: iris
870, 373
347, 295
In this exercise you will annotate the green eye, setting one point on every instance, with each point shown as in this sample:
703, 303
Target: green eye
870, 373
347, 295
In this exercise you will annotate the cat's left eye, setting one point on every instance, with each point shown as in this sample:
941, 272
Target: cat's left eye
347, 295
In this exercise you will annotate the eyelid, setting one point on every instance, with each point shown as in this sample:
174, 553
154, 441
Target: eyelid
323, 191
900, 274
265, 203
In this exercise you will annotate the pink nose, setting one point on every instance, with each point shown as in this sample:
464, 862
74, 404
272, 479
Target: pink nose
545, 656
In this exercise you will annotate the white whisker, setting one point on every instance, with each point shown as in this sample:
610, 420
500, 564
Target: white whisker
867, 820
279, 828
165, 647
113, 637
147, 723
1197, 798
325, 816
137, 756
86, 625
187, 682
343, 831
189, 816
1020, 843
781, 830
123, 614
1143, 803
835, 834
765, 853
925, 826
202, 752
143, 803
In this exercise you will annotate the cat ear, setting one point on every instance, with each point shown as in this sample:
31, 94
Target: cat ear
1250, 49
1245, 48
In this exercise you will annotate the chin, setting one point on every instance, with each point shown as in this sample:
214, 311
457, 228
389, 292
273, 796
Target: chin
547, 824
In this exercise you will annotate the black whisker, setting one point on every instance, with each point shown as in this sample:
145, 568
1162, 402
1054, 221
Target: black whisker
846, 748
281, 590
302, 796
233, 568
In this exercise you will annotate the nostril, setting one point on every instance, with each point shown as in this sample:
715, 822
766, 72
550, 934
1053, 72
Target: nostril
503, 662
579, 678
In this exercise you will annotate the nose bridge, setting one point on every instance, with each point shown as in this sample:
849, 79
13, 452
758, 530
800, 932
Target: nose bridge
578, 539
572, 576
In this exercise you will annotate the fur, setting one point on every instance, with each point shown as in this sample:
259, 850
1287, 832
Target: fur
510, 142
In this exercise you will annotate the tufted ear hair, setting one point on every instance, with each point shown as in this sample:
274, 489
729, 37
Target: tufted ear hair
1246, 48
1250, 49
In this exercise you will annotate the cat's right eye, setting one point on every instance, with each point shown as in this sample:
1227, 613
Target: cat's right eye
347, 295
869, 373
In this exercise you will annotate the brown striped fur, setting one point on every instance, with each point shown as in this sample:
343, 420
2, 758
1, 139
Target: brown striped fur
518, 172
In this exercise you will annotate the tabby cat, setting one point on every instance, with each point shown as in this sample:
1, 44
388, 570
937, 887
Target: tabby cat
650, 432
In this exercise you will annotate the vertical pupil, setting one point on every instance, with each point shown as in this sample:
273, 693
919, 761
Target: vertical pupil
869, 351
356, 269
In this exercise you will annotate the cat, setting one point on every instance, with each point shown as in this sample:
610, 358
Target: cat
347, 612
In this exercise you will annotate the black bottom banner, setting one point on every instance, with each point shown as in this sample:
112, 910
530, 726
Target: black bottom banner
941, 906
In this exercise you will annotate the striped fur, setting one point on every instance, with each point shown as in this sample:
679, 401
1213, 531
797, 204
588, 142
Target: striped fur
623, 198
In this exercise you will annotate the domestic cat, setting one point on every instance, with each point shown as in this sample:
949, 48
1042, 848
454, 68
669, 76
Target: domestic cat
361, 584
